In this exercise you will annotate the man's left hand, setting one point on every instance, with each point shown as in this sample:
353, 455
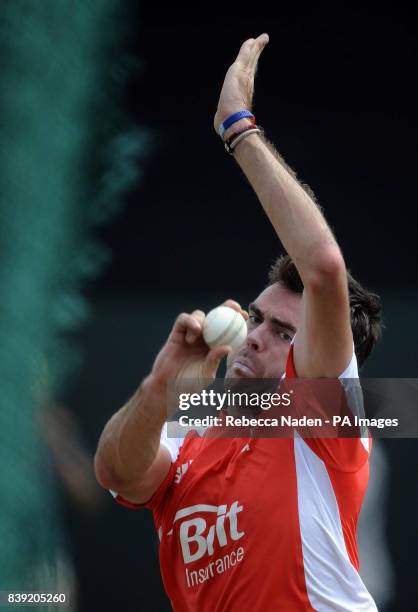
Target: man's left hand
238, 87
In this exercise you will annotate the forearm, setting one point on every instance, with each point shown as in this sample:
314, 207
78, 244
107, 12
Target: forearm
130, 441
295, 216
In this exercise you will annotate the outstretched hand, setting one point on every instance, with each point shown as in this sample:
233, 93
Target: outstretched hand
238, 87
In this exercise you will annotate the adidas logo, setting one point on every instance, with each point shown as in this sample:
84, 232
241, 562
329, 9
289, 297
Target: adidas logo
181, 470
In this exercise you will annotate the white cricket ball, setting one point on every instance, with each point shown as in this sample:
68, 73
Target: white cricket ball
224, 325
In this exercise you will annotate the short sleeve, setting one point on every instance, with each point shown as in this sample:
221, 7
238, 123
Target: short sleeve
351, 370
347, 454
173, 445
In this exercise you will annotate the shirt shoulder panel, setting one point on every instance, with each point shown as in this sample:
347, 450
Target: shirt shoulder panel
173, 445
347, 454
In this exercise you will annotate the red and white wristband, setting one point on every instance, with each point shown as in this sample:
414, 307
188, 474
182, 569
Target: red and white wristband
234, 139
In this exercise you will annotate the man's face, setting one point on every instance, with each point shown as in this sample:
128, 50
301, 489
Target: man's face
274, 319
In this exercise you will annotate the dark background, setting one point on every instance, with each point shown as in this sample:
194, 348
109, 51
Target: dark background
335, 92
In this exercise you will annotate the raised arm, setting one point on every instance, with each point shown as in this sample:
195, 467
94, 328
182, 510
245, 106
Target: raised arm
323, 343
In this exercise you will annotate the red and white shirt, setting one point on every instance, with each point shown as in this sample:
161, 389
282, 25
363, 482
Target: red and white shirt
262, 524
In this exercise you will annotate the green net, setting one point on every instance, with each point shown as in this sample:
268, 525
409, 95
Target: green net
65, 160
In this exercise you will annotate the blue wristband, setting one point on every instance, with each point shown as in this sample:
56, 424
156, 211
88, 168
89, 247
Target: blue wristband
242, 114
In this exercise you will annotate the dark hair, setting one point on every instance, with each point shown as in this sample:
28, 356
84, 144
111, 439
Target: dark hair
365, 307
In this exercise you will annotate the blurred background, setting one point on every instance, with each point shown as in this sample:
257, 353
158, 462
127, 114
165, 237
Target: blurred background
120, 209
